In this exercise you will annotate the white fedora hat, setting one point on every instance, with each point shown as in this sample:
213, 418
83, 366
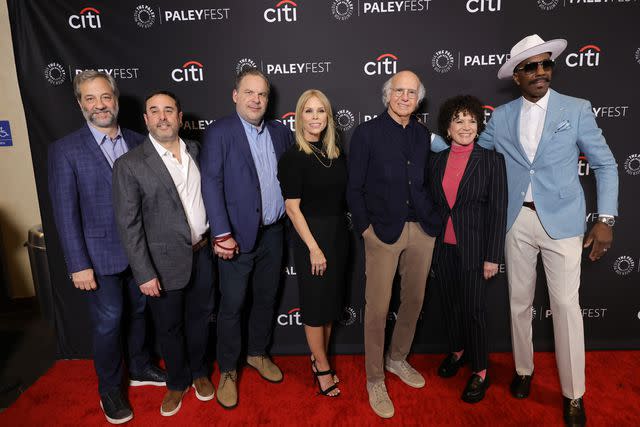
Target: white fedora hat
526, 48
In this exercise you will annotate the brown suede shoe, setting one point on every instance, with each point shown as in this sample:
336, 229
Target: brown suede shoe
171, 402
266, 368
204, 389
228, 390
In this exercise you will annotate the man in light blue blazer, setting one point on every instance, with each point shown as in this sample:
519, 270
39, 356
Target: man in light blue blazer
541, 134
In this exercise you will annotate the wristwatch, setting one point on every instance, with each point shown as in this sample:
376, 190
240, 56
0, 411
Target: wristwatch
609, 220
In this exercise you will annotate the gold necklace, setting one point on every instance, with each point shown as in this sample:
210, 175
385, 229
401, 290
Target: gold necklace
317, 151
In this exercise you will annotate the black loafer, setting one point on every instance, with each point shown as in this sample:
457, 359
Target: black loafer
475, 389
521, 386
151, 375
115, 407
574, 414
450, 365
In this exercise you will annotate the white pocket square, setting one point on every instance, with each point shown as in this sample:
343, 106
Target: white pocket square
563, 125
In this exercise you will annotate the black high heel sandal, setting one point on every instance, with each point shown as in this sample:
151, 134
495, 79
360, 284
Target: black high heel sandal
316, 373
313, 368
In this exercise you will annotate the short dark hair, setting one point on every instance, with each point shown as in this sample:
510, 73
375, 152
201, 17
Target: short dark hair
460, 104
163, 92
250, 71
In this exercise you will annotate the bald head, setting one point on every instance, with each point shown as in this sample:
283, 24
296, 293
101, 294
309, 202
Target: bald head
402, 94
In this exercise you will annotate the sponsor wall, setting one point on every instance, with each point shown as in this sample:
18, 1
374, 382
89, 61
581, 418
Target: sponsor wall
347, 48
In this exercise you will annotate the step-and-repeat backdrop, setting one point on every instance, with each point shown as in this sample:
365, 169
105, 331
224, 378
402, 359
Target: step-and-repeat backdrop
346, 48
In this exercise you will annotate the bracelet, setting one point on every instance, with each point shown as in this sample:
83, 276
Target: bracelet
226, 248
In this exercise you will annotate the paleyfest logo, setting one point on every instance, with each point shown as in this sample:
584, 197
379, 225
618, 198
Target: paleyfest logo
442, 61
344, 120
245, 63
632, 165
55, 73
144, 16
548, 4
342, 9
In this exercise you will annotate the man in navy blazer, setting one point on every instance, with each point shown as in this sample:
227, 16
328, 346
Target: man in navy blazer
392, 209
80, 171
244, 205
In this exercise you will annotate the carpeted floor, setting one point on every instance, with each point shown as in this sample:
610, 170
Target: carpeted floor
66, 395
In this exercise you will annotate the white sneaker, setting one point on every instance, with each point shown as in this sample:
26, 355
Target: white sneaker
379, 400
404, 371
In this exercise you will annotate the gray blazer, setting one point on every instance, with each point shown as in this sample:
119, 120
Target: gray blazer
151, 221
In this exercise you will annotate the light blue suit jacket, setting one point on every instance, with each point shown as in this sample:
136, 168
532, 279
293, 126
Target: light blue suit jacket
569, 129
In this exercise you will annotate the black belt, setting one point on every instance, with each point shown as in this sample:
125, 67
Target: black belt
201, 244
529, 205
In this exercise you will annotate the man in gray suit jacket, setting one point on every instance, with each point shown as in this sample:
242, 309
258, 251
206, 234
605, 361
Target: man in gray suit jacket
162, 224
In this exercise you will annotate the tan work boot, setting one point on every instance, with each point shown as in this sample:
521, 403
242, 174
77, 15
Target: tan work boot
228, 390
266, 368
379, 400
171, 402
204, 389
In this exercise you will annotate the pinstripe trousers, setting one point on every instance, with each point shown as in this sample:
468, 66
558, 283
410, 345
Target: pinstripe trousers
463, 300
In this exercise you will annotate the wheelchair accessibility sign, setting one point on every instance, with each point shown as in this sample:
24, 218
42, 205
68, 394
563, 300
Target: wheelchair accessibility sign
5, 134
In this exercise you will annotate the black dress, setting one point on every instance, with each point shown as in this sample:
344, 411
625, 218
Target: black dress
322, 193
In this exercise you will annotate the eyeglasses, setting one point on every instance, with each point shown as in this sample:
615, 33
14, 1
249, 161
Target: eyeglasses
532, 67
411, 93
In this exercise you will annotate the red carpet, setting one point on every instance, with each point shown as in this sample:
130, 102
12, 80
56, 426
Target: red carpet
66, 395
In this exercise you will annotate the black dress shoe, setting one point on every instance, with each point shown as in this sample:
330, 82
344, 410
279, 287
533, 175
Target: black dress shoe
574, 415
115, 407
151, 375
450, 365
521, 386
475, 389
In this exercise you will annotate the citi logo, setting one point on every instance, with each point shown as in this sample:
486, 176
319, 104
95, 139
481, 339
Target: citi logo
191, 71
89, 17
289, 120
583, 166
285, 11
587, 56
474, 6
387, 63
488, 111
290, 318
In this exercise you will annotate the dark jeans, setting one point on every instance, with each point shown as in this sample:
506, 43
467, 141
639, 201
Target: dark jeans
261, 269
463, 301
117, 304
182, 320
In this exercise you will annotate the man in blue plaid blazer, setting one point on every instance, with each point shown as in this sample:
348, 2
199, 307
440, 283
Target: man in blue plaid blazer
80, 169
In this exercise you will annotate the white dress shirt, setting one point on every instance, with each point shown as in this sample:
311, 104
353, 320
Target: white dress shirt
532, 116
186, 177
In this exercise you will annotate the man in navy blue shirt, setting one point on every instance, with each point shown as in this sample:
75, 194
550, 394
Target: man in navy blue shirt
392, 209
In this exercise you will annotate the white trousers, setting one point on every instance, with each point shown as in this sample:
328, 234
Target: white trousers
561, 259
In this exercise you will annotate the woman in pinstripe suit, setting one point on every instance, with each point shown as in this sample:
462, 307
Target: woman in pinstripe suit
469, 187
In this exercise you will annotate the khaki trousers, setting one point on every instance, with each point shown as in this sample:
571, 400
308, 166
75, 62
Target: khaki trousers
561, 259
412, 253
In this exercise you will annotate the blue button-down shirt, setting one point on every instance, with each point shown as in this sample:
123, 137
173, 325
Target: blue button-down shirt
264, 158
111, 148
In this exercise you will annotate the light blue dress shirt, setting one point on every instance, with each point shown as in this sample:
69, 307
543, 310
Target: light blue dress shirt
264, 158
111, 148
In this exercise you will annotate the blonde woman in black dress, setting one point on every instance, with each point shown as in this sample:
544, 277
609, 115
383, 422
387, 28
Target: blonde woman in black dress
313, 177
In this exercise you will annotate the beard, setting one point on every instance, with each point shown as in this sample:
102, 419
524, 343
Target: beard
92, 116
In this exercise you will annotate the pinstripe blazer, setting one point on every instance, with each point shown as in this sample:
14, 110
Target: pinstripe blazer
80, 190
479, 213
151, 219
